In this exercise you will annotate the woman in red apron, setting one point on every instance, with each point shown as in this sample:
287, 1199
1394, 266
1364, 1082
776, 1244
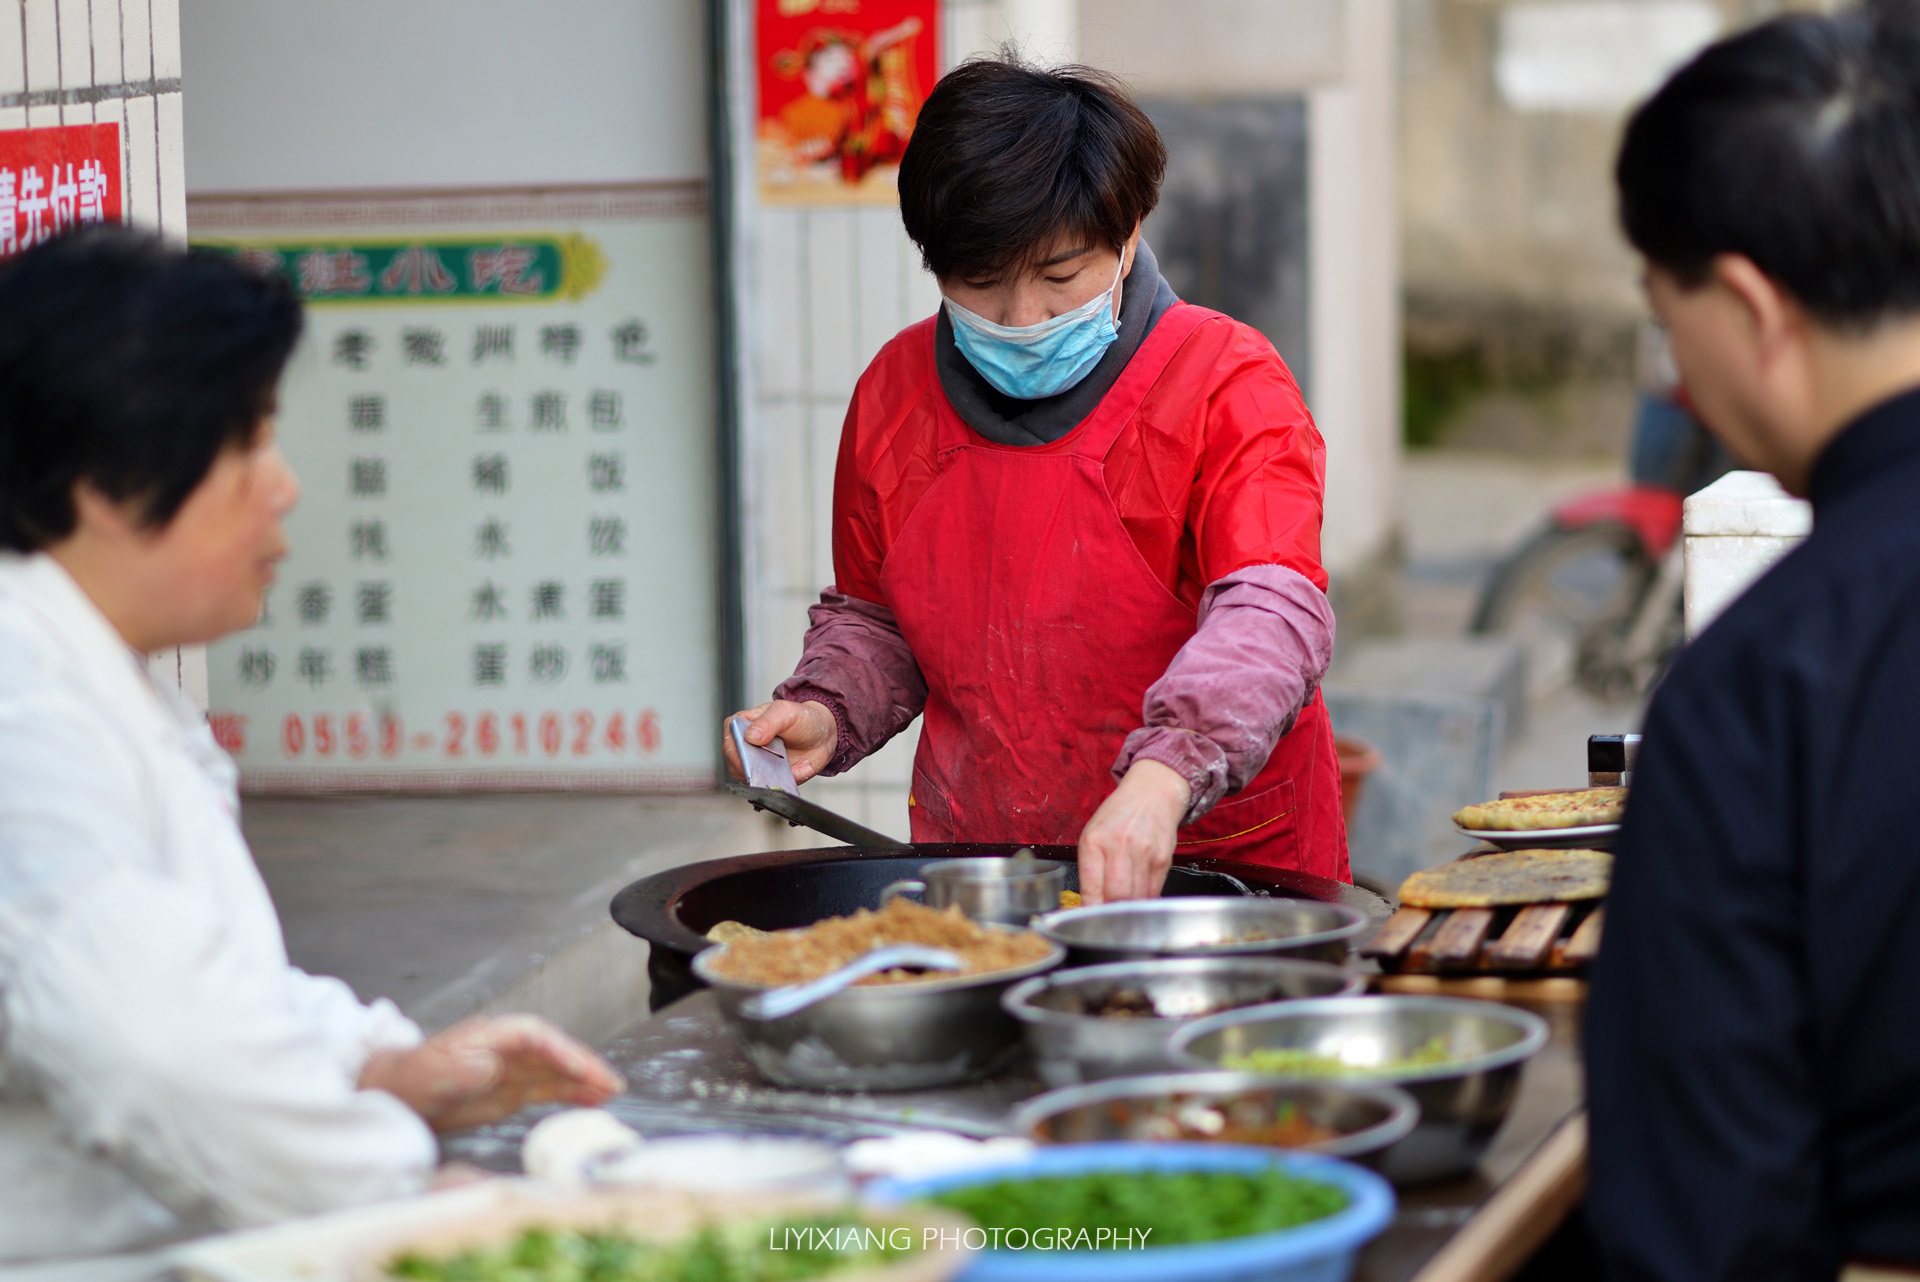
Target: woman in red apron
1076, 522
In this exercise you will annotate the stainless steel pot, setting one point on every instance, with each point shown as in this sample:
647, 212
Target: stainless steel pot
1462, 1101
1205, 926
881, 1037
1010, 891
1369, 1119
1071, 1044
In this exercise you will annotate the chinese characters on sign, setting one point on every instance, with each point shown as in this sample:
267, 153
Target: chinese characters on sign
502, 566
520, 269
55, 179
841, 83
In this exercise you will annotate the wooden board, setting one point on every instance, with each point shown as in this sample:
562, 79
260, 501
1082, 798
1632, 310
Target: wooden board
1400, 930
1458, 939
1584, 945
1531, 939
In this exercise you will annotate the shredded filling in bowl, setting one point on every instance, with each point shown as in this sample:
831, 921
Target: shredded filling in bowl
776, 958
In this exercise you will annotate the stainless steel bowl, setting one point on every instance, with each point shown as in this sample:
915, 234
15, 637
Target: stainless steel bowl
1370, 1119
1462, 1101
1072, 1045
1204, 926
881, 1037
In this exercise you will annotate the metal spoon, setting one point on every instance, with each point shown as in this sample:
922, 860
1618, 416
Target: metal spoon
777, 1003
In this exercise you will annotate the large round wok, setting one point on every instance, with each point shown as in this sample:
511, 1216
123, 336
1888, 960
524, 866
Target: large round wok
673, 910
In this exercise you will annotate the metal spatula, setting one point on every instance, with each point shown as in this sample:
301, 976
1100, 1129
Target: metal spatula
770, 787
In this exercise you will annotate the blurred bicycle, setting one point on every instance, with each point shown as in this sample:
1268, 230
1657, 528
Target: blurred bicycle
1594, 596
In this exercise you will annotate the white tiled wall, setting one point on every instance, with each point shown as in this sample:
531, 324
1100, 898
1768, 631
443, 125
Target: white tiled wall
835, 285
825, 289
80, 62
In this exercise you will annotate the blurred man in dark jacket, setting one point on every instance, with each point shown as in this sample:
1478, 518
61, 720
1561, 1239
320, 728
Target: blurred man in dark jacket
1754, 1036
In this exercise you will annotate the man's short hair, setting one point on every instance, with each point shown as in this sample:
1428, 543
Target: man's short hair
129, 364
1005, 159
1796, 144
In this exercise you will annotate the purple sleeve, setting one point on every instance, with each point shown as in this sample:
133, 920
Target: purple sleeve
857, 663
1264, 641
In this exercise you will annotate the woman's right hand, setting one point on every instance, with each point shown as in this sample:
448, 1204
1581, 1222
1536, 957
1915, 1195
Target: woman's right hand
489, 1067
808, 729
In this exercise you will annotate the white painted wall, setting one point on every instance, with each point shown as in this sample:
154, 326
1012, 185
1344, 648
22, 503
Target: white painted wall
1048, 30
1217, 46
1599, 56
297, 95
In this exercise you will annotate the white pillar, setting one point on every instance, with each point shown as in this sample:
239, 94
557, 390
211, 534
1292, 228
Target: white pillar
1045, 30
1354, 298
1736, 529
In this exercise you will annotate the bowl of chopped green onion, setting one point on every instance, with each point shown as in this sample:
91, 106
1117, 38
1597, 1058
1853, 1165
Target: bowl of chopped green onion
653, 1235
1131, 1212
1459, 1058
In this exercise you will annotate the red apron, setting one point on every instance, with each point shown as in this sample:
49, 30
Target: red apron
1039, 627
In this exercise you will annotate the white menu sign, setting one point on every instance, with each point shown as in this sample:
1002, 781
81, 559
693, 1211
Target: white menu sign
503, 561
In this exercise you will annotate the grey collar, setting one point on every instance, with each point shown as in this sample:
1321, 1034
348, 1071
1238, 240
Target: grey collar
1145, 297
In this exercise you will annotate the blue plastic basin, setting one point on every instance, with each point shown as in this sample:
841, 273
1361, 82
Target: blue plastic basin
1322, 1251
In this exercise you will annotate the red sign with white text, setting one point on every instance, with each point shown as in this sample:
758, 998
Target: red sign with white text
53, 179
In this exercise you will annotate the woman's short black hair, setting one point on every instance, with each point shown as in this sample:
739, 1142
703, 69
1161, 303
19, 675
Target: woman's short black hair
1005, 159
1797, 144
129, 364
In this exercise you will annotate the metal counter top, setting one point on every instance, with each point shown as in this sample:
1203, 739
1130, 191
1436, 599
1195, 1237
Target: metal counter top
686, 1073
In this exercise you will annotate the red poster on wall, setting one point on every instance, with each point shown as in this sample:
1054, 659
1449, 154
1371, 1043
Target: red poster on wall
53, 179
841, 83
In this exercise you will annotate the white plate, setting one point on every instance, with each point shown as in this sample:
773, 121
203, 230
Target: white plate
1586, 837
352, 1245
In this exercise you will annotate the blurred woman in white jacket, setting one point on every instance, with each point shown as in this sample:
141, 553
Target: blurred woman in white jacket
163, 1069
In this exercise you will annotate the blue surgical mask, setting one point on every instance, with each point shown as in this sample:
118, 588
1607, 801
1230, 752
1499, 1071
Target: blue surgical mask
1029, 362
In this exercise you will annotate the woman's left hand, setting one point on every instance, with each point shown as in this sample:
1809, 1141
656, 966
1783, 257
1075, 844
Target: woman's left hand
1127, 847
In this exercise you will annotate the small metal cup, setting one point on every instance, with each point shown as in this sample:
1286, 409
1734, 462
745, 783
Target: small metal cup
1009, 891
